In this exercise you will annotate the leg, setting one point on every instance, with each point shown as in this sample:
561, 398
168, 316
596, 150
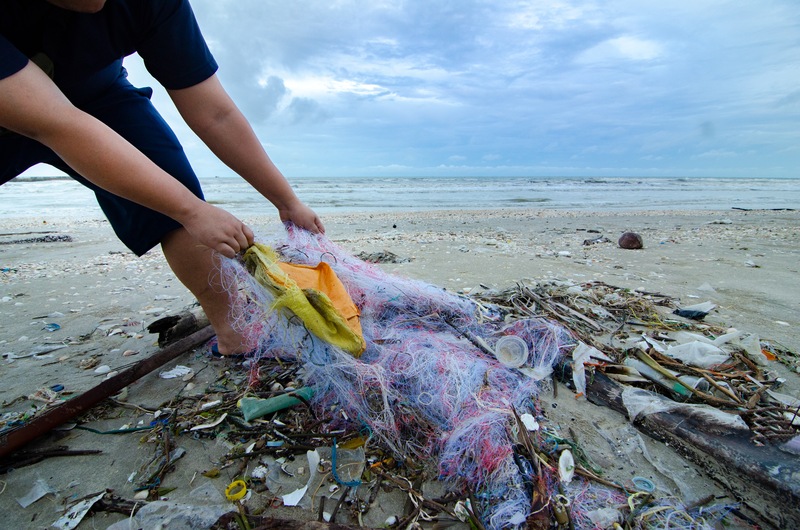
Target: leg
196, 268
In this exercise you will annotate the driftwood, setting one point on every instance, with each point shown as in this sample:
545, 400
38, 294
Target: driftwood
764, 479
175, 327
271, 523
16, 438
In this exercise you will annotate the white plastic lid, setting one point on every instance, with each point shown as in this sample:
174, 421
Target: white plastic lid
511, 351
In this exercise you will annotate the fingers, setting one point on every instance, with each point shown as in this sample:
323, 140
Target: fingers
242, 239
249, 235
223, 232
319, 225
225, 250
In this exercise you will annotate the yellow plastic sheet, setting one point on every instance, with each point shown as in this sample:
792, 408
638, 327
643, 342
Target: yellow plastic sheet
314, 294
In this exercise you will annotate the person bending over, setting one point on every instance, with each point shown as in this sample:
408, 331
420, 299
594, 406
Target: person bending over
65, 101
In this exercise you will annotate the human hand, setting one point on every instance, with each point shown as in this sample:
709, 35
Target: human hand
217, 229
302, 216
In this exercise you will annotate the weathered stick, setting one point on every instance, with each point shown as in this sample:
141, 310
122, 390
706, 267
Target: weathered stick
16, 438
175, 327
271, 523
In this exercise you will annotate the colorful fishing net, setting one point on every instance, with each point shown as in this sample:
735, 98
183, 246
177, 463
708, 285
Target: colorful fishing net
426, 386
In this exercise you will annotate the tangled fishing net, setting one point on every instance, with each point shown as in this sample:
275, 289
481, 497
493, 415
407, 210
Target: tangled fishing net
426, 386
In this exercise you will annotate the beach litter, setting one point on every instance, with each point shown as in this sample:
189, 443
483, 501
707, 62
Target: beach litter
430, 360
76, 513
428, 400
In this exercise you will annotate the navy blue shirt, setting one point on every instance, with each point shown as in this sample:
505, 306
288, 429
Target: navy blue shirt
87, 49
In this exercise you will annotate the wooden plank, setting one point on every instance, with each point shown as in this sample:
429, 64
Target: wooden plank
48, 420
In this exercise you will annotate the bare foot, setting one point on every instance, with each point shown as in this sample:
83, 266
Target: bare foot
230, 343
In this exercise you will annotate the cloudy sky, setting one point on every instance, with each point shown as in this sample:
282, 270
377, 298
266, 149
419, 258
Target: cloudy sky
510, 87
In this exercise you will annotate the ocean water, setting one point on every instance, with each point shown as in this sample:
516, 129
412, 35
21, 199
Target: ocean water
66, 198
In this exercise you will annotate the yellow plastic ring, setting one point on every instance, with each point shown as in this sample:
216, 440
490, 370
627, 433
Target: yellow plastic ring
236, 490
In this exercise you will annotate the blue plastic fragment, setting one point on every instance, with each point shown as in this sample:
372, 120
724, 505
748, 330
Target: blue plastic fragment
643, 484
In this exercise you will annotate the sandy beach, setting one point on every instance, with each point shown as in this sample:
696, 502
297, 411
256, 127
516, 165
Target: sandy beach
92, 298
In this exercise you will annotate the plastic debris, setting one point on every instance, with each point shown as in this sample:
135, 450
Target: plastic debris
39, 489
253, 408
178, 371
640, 402
643, 484
173, 515
696, 311
604, 517
35, 352
511, 351
206, 493
529, 421
698, 354
294, 498
236, 490
580, 355
76, 513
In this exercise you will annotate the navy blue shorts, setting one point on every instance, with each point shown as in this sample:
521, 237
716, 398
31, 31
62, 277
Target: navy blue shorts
128, 111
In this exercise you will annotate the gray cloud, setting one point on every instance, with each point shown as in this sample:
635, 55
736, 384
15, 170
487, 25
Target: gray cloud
408, 84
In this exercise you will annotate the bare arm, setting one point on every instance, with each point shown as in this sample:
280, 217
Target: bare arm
214, 117
33, 106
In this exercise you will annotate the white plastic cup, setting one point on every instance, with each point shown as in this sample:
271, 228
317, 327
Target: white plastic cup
511, 351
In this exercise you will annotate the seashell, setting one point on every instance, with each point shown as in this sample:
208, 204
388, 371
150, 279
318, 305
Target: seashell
566, 466
89, 363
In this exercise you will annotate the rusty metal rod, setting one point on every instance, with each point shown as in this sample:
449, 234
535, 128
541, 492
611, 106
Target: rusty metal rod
16, 438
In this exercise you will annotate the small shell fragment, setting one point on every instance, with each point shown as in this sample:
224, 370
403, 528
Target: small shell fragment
89, 363
210, 425
210, 404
